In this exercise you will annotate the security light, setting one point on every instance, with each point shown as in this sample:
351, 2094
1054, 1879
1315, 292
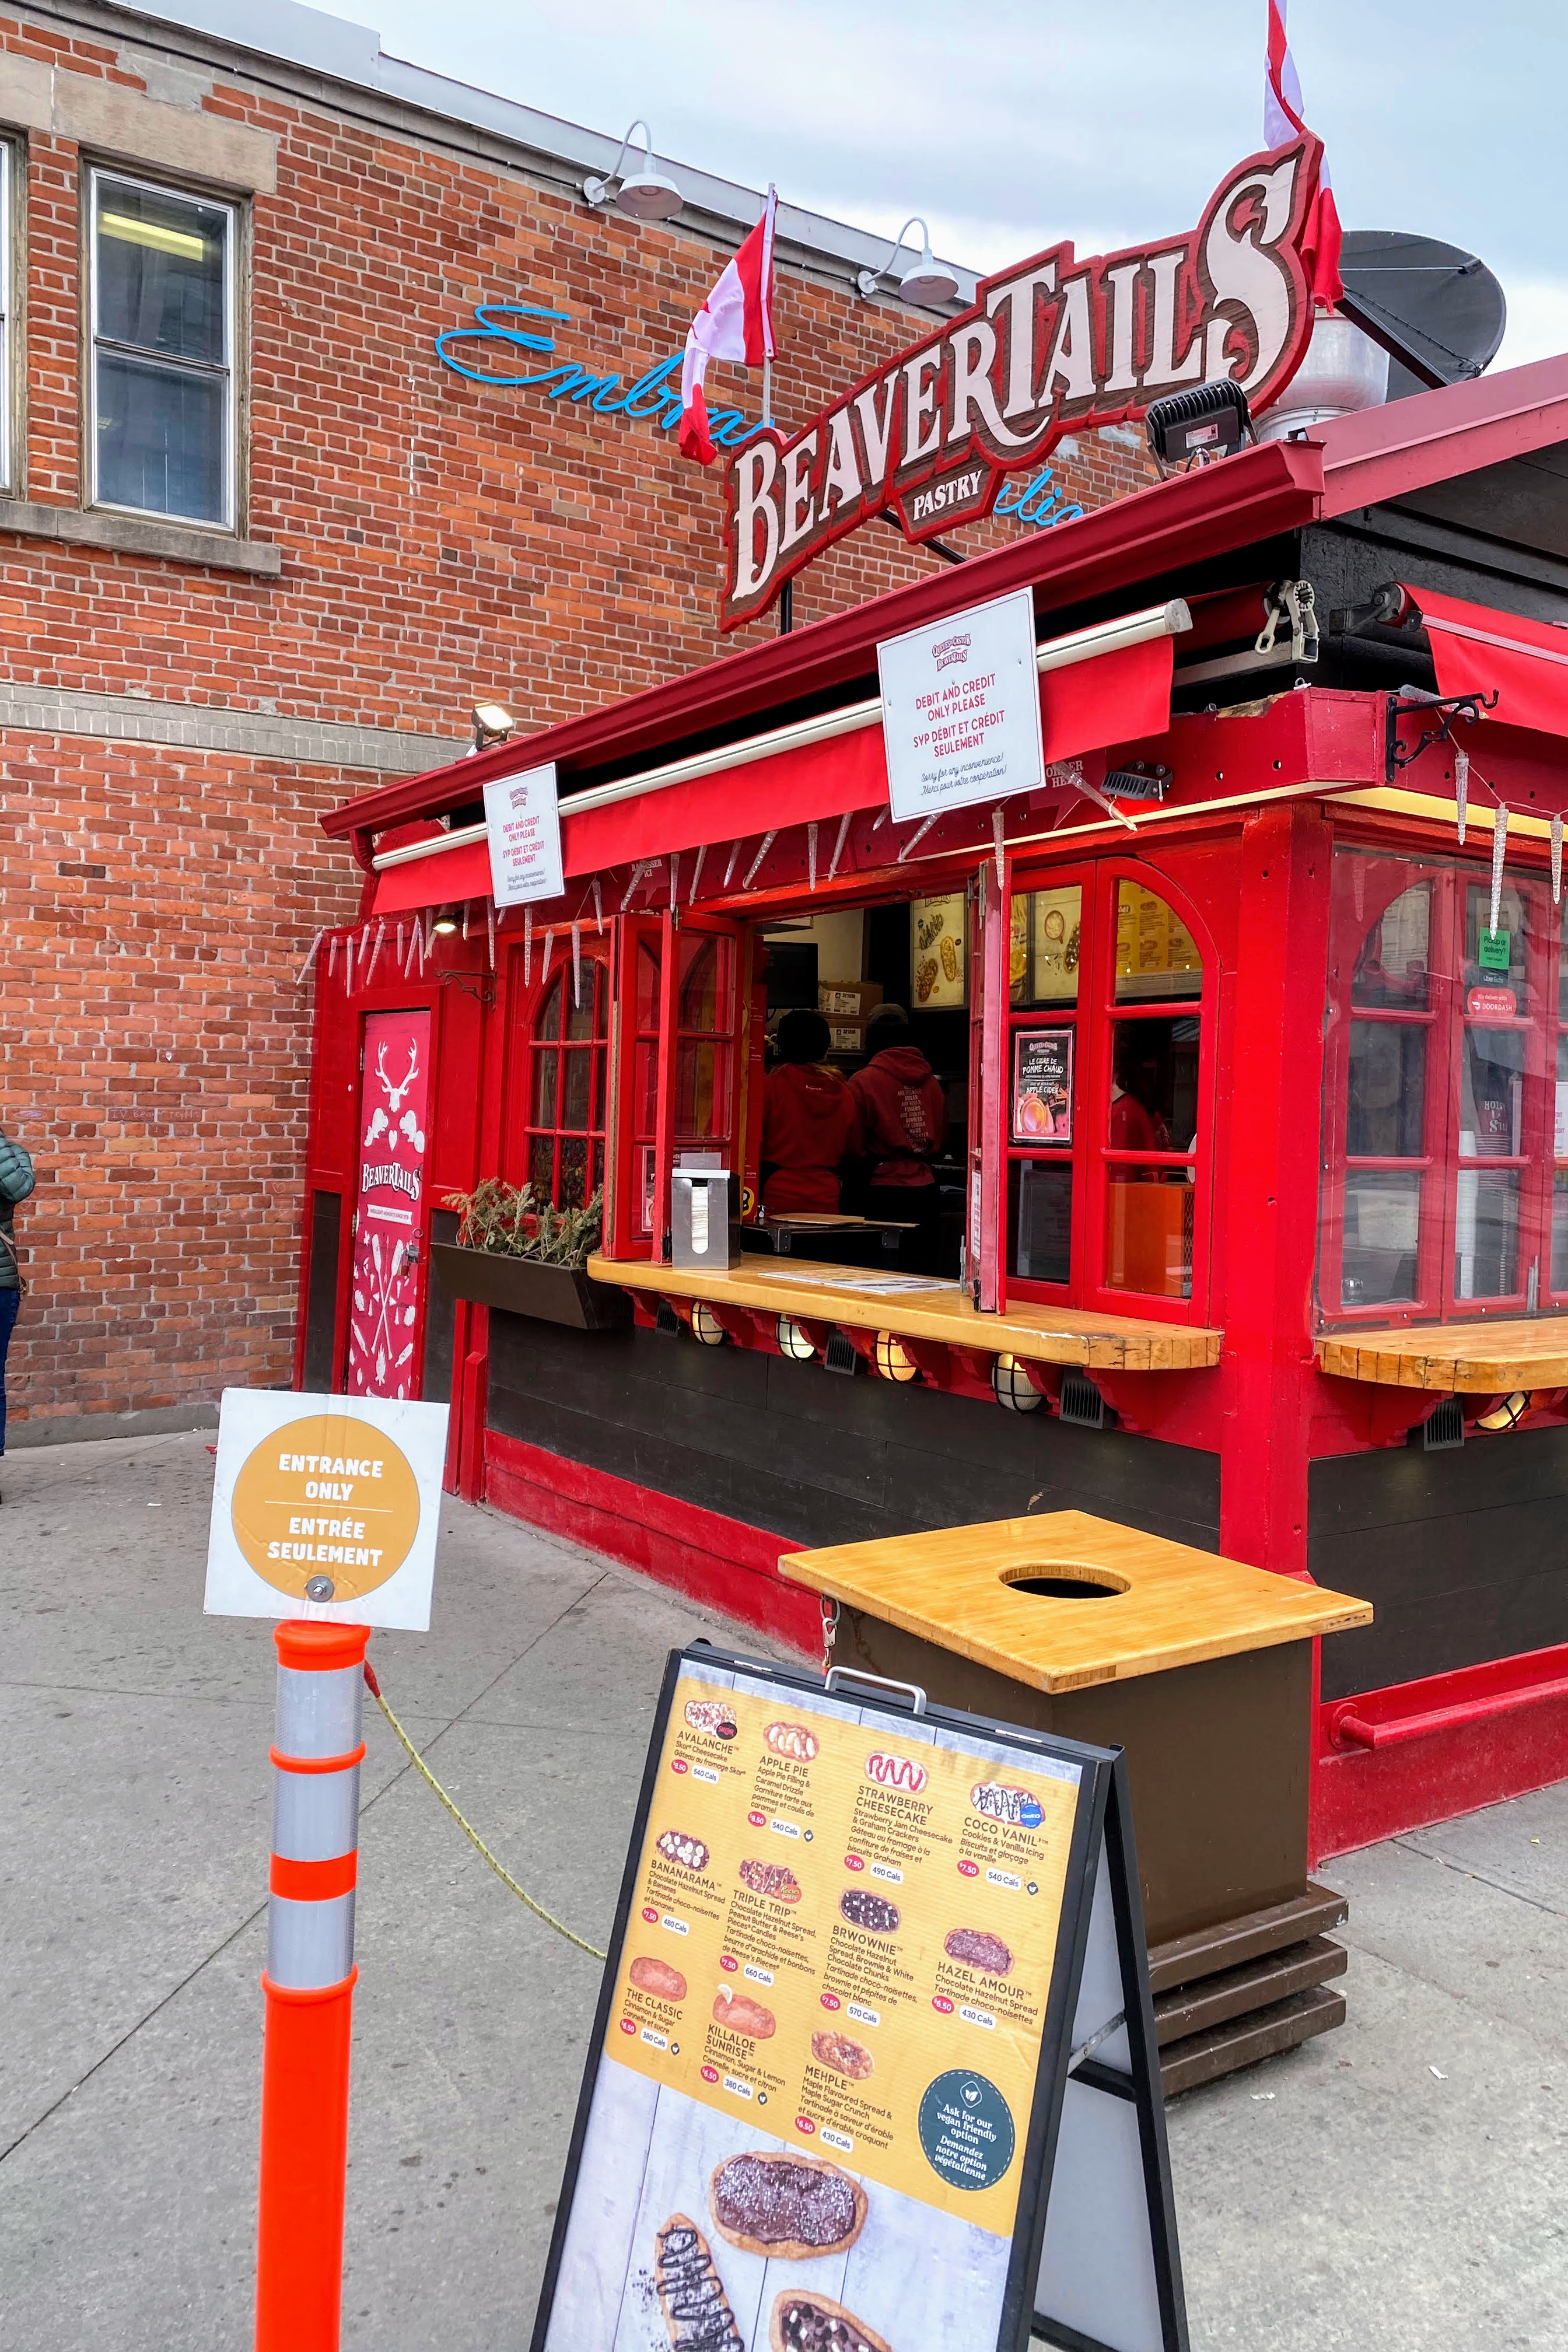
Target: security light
1192, 429
646, 194
493, 724
445, 921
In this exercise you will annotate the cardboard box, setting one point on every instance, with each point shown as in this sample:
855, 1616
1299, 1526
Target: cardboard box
848, 999
847, 1036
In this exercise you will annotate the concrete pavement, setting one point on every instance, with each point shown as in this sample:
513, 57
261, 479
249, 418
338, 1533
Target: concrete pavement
1401, 2184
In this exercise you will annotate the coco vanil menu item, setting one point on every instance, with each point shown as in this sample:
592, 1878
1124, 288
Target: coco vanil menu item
822, 2041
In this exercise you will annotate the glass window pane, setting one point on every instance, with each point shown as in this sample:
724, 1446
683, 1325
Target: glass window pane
1385, 1116
579, 1018
1039, 1220
701, 1070
574, 1173
1046, 929
704, 1001
1383, 1216
1156, 955
1154, 1085
162, 272
547, 1023
645, 1092
1560, 1232
1515, 911
541, 1165
1149, 1231
161, 439
1491, 1093
544, 1074
647, 985
1485, 1233
1392, 960
577, 1091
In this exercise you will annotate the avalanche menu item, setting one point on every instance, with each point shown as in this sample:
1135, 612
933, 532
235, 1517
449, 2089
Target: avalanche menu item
830, 2056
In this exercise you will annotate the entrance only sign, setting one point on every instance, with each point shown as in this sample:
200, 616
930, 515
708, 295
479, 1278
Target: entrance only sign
873, 2068
960, 709
325, 1507
523, 822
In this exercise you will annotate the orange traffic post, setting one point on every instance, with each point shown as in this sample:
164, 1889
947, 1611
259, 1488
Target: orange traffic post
309, 1986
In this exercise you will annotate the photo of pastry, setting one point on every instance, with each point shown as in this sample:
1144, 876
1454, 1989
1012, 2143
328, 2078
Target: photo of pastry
712, 1715
843, 2055
810, 2323
697, 2313
775, 1879
740, 2014
790, 2208
928, 926
974, 1949
925, 978
873, 1911
689, 1852
949, 958
794, 1740
658, 1977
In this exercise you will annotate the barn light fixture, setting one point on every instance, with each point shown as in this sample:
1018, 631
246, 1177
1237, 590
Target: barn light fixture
1506, 1414
493, 723
446, 922
930, 282
793, 1343
644, 194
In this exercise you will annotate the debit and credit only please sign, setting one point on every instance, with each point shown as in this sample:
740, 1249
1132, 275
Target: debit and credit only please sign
522, 821
960, 709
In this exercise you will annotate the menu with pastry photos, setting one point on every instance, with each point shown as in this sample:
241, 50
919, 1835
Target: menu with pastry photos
823, 2034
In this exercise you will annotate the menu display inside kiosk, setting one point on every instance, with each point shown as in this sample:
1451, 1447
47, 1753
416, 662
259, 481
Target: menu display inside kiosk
822, 2047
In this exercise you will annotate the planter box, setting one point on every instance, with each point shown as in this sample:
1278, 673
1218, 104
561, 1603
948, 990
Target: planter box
522, 1285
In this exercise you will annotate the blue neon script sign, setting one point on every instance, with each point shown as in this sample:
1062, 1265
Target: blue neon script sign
654, 397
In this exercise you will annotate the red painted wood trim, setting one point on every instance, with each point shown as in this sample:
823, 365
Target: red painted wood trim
1502, 1729
724, 1563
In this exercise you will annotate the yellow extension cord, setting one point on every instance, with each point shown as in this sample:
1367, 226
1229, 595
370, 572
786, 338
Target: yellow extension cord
467, 1827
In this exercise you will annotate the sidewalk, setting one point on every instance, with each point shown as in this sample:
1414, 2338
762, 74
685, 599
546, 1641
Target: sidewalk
1401, 2184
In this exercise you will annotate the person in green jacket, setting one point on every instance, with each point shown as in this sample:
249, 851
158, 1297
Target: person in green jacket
17, 1181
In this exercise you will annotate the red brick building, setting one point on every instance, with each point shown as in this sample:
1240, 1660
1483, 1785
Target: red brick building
262, 544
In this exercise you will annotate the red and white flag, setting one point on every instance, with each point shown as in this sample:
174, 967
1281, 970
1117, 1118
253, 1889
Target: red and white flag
1282, 122
736, 322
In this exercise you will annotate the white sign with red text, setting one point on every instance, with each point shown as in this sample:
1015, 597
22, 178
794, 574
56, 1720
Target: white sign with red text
525, 826
960, 709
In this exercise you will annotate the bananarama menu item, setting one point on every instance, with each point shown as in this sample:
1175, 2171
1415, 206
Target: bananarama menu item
830, 2048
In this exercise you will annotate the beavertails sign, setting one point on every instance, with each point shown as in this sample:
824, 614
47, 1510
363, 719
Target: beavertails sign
1053, 344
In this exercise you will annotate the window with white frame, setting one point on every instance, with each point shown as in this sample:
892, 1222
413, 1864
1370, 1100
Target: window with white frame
163, 351
7, 202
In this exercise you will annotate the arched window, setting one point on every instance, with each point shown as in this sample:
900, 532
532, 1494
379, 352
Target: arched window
563, 1141
1149, 1144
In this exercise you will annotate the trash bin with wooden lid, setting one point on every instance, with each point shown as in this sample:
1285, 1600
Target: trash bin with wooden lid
1201, 1668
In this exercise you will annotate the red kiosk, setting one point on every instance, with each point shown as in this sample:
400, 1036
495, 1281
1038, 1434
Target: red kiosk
1292, 884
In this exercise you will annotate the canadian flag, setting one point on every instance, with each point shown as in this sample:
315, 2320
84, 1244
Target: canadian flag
1282, 122
736, 322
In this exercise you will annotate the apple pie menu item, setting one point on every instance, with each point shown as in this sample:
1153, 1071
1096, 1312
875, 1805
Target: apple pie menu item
873, 1911
787, 2207
844, 2055
794, 1740
977, 1949
742, 2014
689, 1852
697, 2313
774, 1878
658, 1977
810, 2323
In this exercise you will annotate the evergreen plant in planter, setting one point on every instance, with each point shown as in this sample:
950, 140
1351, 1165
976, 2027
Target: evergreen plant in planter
519, 1253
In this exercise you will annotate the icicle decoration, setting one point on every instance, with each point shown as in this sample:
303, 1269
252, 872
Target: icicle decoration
598, 908
999, 841
402, 927
1462, 791
375, 951
734, 853
407, 961
528, 947
838, 845
490, 930
1358, 887
1499, 845
638, 870
306, 966
697, 873
879, 820
768, 840
811, 857
465, 922
674, 878
577, 964
332, 956
1556, 861
549, 944
916, 837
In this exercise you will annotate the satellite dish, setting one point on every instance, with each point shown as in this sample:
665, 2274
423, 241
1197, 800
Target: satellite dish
1438, 312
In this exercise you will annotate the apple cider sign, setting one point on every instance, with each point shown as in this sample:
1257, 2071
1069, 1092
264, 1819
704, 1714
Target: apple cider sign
1053, 344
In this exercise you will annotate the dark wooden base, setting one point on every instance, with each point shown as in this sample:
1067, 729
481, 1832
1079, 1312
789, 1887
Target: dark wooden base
1229, 1996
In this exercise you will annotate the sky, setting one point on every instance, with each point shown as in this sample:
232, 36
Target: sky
1022, 122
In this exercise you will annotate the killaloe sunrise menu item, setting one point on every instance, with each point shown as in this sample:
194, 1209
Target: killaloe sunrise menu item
823, 2038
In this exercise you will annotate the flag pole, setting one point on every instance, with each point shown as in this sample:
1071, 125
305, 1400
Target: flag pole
767, 390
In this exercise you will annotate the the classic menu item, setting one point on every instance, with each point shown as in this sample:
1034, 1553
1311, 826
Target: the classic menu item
740, 2014
977, 1949
872, 1911
794, 1740
697, 2313
658, 1977
772, 1878
843, 2055
810, 2323
689, 1852
789, 2206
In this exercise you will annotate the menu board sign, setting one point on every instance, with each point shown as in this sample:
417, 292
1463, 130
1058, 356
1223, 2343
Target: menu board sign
814, 2119
1042, 1085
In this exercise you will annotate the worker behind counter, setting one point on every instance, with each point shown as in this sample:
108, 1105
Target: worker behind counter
903, 1121
810, 1120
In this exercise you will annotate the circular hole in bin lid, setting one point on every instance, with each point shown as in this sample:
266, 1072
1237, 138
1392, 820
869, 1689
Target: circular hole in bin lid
1065, 1580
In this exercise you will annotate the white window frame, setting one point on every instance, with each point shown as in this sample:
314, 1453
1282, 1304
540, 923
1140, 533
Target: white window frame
227, 369
7, 338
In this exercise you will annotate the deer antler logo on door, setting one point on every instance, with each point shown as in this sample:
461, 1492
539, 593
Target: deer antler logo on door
384, 1122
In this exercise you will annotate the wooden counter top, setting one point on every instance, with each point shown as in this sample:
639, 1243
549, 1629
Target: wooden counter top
1040, 1334
1473, 1358
1178, 1605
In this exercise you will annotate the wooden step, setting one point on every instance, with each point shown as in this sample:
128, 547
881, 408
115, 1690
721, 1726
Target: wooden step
1232, 1942
1262, 2034
1233, 1992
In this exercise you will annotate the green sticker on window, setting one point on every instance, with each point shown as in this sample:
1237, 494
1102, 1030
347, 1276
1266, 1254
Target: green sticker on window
1495, 951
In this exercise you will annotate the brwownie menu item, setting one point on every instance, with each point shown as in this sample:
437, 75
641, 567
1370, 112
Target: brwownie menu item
823, 2040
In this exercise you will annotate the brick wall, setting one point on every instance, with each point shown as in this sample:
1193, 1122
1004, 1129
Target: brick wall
440, 540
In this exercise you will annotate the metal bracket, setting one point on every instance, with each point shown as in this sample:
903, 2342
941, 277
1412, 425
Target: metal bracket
1447, 710
1289, 608
483, 991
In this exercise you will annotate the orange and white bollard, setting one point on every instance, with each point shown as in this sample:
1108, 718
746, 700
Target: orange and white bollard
309, 1985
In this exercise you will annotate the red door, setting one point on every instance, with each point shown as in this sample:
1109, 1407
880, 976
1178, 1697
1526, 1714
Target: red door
386, 1315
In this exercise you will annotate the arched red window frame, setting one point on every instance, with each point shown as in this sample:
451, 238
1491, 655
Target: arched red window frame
524, 1047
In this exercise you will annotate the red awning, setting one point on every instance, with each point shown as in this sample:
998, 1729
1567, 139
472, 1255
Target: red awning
1115, 698
1479, 650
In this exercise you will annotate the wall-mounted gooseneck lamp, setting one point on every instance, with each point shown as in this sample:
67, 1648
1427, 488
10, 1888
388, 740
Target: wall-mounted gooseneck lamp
645, 195
929, 281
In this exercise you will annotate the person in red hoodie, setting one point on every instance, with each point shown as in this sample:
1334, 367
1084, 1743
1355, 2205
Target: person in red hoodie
904, 1119
809, 1119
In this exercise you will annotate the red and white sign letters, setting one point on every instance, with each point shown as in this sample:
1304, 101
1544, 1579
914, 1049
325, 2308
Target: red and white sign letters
1053, 344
